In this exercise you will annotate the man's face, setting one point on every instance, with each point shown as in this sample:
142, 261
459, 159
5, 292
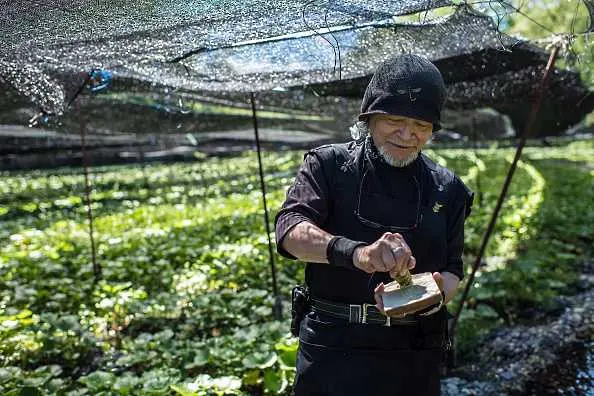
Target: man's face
399, 139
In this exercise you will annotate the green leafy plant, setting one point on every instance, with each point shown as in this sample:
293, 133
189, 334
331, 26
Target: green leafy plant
185, 306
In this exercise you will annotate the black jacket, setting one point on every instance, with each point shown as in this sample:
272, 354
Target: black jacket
347, 191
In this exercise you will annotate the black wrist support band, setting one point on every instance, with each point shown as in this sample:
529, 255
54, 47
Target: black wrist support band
340, 251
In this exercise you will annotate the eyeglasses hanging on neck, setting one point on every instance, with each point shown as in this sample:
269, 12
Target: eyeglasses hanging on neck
378, 224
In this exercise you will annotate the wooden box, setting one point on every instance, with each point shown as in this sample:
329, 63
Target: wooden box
423, 293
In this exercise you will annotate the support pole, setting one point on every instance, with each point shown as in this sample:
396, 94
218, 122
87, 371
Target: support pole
527, 131
479, 190
278, 308
88, 202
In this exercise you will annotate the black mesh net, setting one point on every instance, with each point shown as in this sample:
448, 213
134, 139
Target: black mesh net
189, 66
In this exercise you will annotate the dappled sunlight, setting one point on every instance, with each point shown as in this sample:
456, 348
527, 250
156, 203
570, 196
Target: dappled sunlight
186, 282
190, 282
473, 171
519, 209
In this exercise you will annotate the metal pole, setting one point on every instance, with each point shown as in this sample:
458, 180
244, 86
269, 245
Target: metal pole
278, 308
479, 190
508, 178
83, 136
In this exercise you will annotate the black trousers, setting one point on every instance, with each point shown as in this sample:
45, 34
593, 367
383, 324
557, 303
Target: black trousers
343, 359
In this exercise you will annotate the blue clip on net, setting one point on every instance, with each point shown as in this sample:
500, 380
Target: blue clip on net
99, 80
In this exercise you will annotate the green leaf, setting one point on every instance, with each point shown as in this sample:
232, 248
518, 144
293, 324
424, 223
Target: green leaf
486, 312
69, 322
9, 373
24, 314
78, 392
133, 359
30, 391
227, 384
287, 353
259, 360
156, 382
555, 284
98, 380
125, 384
201, 359
251, 377
34, 381
164, 335
566, 256
185, 389
275, 381
48, 372
55, 385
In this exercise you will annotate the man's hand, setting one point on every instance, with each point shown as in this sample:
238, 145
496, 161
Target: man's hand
448, 283
390, 254
377, 295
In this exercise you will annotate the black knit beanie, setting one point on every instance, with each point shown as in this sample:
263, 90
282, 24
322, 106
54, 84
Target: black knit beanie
406, 85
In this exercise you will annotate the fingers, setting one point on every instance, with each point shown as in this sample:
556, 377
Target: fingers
387, 258
389, 254
401, 253
378, 257
412, 262
379, 304
438, 279
394, 274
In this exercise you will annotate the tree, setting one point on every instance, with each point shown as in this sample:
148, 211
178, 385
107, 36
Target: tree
542, 20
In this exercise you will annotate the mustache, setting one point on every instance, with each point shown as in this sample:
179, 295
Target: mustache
405, 144
396, 162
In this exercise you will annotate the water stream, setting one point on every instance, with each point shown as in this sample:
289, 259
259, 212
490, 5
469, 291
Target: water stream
572, 375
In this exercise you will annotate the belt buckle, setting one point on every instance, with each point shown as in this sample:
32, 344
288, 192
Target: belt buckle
358, 314
355, 314
364, 318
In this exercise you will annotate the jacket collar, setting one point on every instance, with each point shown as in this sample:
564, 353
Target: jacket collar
428, 162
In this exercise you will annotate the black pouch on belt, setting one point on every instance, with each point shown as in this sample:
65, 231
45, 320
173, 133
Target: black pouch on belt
299, 307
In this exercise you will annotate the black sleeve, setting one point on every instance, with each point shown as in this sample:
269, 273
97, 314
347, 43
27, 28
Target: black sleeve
307, 200
461, 207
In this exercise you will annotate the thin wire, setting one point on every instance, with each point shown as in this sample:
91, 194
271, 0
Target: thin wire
427, 8
499, 20
570, 49
577, 5
579, 102
318, 33
371, 275
504, 3
80, 89
337, 46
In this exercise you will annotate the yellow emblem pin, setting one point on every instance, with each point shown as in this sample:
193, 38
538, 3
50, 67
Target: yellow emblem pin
437, 207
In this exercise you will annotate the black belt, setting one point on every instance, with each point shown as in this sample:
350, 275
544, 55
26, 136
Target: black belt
358, 313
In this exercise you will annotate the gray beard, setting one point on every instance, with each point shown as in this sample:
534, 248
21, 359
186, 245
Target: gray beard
396, 162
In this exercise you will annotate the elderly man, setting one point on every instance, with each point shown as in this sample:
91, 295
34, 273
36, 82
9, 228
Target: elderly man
361, 214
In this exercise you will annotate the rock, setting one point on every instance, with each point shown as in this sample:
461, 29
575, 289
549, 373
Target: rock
511, 358
485, 123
